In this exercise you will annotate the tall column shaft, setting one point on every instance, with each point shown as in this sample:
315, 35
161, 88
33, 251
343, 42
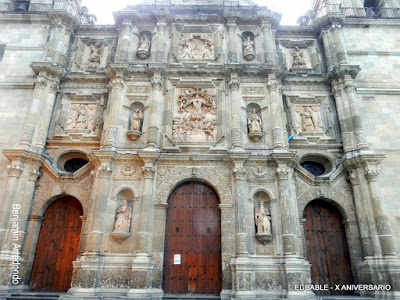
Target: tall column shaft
236, 128
241, 210
276, 108
232, 48
330, 63
160, 53
125, 42
339, 45
156, 106
381, 220
147, 211
269, 42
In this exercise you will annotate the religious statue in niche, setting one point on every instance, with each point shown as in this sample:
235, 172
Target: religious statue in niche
136, 123
298, 59
96, 51
123, 218
82, 116
262, 218
254, 125
196, 117
143, 51
196, 46
308, 119
248, 48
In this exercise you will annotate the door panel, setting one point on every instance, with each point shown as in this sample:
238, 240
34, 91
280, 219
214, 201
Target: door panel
327, 249
57, 246
193, 230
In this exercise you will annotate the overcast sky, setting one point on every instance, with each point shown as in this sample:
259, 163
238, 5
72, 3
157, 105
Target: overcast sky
290, 9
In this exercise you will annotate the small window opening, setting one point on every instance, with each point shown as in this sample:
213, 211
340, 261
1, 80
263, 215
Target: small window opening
315, 168
74, 164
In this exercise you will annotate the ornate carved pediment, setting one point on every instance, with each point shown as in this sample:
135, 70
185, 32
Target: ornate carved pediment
196, 46
195, 119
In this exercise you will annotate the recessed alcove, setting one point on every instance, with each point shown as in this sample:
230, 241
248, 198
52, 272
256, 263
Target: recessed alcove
316, 165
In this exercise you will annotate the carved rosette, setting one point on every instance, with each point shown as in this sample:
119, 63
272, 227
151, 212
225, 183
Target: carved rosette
195, 119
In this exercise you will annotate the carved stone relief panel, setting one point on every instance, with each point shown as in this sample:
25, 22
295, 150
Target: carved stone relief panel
91, 55
308, 118
127, 172
196, 46
301, 55
80, 115
195, 115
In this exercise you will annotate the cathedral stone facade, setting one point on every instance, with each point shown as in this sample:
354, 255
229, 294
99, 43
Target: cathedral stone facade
200, 147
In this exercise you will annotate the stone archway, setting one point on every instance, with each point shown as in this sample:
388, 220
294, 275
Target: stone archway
192, 251
57, 246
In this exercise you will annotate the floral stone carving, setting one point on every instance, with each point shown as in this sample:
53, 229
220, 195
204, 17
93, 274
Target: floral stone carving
196, 117
196, 46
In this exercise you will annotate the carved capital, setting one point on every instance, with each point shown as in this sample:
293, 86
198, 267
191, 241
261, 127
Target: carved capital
156, 83
34, 174
234, 84
239, 173
265, 26
41, 83
282, 172
117, 84
272, 83
353, 177
104, 171
372, 174
14, 170
349, 84
148, 172
53, 87
161, 26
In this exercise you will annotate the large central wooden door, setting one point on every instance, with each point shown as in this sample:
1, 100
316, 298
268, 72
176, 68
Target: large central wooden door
192, 253
327, 249
57, 246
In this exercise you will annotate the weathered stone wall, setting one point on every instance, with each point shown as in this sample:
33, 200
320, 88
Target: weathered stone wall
377, 51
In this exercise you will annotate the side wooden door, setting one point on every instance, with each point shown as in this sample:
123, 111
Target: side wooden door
327, 249
57, 246
192, 252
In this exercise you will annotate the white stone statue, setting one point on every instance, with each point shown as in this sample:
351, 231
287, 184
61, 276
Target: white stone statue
248, 45
298, 59
136, 120
262, 218
124, 217
254, 122
144, 43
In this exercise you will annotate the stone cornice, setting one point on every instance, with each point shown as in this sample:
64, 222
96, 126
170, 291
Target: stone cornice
361, 158
341, 71
48, 68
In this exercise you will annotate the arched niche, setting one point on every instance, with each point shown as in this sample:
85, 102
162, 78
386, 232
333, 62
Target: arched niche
135, 121
248, 45
262, 217
144, 45
254, 122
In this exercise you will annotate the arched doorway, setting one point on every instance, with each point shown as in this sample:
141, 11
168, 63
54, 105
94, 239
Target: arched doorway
327, 249
192, 250
57, 246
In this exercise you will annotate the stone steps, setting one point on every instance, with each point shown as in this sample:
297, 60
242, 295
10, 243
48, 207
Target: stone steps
33, 296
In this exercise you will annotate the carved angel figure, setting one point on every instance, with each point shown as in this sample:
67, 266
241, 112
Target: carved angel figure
298, 59
248, 45
262, 218
136, 120
123, 219
96, 51
144, 43
254, 121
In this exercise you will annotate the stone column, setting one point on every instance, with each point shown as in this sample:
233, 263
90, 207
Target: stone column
111, 122
232, 48
147, 206
239, 174
339, 45
276, 108
289, 211
155, 111
359, 133
103, 163
160, 53
236, 117
381, 220
269, 42
125, 41
367, 242
330, 63
345, 126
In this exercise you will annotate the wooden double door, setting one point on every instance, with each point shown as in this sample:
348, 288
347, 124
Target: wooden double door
57, 246
192, 252
327, 249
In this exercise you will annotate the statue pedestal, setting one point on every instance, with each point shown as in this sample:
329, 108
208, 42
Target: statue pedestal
249, 55
142, 53
264, 238
133, 135
255, 136
120, 236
